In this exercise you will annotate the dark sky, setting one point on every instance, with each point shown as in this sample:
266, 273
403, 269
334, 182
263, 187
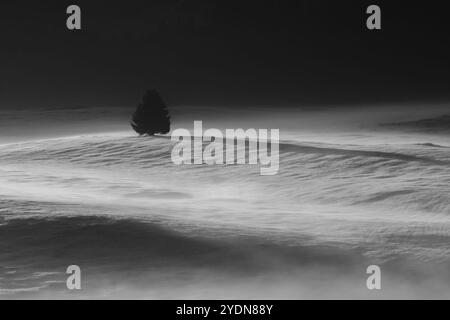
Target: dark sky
223, 52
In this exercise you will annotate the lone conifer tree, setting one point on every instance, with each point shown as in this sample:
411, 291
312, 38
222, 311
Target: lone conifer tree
151, 116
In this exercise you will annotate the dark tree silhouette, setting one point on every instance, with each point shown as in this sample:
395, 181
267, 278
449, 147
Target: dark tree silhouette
151, 116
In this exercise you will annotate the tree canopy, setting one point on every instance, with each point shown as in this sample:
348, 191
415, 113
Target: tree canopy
151, 116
